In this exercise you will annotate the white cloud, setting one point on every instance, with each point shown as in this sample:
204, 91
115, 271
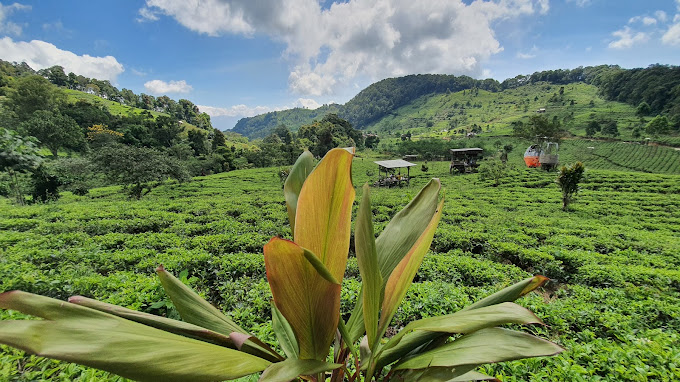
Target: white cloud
528, 55
580, 3
661, 16
646, 20
358, 39
145, 14
627, 38
234, 111
9, 27
307, 103
246, 111
162, 87
40, 54
672, 35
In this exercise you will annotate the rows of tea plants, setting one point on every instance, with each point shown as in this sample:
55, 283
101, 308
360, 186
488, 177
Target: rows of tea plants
613, 303
622, 156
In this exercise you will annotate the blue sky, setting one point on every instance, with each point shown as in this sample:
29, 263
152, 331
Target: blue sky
237, 58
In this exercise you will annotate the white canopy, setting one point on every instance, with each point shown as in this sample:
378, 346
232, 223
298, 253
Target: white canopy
394, 163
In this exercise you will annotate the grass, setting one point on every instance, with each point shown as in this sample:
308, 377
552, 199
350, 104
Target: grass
614, 302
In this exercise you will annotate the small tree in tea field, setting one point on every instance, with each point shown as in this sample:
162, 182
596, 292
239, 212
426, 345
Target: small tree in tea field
305, 277
568, 180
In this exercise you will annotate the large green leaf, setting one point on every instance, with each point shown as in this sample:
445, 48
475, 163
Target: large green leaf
406, 228
402, 275
193, 308
300, 284
418, 339
511, 293
79, 334
324, 211
460, 322
310, 303
483, 346
284, 333
396, 240
367, 259
292, 368
433, 374
296, 178
167, 324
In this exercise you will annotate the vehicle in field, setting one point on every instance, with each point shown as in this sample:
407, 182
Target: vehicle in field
465, 160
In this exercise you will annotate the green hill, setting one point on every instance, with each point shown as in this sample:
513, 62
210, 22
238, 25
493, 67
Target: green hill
261, 125
435, 105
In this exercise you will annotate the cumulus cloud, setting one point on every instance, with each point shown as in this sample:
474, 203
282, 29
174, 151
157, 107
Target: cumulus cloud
247, 111
40, 54
9, 27
626, 38
672, 35
373, 39
162, 87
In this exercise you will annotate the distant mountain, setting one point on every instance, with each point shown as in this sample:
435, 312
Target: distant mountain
261, 125
658, 86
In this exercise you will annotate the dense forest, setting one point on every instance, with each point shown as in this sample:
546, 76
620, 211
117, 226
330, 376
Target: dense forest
68, 132
657, 86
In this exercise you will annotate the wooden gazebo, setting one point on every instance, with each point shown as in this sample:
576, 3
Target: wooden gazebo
391, 180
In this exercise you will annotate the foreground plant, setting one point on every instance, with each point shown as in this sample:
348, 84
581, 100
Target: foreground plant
305, 277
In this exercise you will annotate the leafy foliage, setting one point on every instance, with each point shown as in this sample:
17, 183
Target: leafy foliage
568, 180
140, 169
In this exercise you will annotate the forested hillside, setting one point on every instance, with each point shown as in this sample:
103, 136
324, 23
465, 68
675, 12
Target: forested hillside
654, 91
293, 118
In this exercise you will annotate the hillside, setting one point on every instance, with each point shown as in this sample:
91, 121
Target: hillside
433, 103
261, 125
454, 114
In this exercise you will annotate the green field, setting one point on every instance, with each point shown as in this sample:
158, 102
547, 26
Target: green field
614, 302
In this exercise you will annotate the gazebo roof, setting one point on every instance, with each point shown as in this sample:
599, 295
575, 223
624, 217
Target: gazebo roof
474, 149
394, 163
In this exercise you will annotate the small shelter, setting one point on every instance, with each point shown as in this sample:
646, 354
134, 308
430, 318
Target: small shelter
411, 157
391, 179
465, 160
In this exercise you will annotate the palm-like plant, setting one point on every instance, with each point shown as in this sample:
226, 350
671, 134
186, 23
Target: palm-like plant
305, 277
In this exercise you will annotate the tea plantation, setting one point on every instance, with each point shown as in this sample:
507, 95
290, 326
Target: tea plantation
613, 302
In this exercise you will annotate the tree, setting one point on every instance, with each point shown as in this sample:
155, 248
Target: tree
568, 180
592, 128
610, 128
371, 141
658, 125
17, 154
197, 142
33, 93
218, 139
538, 126
54, 130
643, 109
494, 169
139, 169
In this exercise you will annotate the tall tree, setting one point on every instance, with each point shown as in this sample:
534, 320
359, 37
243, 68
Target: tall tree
54, 130
17, 154
32, 93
